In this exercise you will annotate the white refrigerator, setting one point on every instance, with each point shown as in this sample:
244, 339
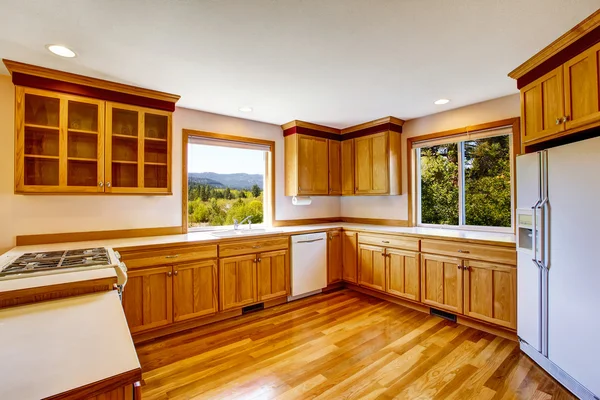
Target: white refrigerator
558, 272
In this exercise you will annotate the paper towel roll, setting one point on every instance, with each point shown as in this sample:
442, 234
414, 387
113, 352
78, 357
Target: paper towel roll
301, 201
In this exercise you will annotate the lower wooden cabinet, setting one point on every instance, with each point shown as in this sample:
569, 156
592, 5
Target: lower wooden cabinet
148, 299
334, 257
371, 266
273, 275
491, 292
194, 290
237, 281
403, 274
349, 257
441, 282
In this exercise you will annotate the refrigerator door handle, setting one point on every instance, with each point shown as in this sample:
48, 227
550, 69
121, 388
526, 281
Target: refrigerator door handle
534, 233
543, 211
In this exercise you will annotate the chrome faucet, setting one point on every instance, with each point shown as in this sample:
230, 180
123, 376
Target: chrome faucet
236, 224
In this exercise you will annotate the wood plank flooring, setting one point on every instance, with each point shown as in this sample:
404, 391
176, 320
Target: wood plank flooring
341, 345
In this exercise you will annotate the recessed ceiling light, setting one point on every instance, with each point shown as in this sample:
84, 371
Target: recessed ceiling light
61, 50
246, 109
441, 101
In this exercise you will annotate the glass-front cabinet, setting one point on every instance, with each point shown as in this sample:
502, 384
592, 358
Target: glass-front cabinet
72, 144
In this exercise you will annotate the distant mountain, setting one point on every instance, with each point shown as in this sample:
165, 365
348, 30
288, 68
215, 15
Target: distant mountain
233, 181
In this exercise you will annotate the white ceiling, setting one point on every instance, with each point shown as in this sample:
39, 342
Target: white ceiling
333, 62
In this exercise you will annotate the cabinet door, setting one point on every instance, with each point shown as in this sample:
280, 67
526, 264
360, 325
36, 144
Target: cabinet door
334, 254
371, 266
138, 150
491, 293
403, 274
350, 257
194, 290
237, 282
371, 164
348, 167
148, 298
441, 282
335, 167
582, 77
313, 165
273, 275
542, 106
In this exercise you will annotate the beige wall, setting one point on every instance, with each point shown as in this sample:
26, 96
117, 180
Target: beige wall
24, 215
396, 207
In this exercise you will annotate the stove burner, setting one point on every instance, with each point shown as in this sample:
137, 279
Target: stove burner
54, 260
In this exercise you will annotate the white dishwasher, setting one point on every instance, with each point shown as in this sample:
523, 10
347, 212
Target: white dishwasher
309, 264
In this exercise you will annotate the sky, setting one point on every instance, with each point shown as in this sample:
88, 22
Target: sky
225, 160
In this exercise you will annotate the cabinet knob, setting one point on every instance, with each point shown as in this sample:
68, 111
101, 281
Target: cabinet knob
169, 273
565, 119
255, 260
175, 273
108, 184
459, 266
101, 184
383, 254
558, 121
259, 260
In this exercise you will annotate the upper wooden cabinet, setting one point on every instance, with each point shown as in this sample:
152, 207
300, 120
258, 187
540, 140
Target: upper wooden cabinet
560, 91
68, 143
362, 160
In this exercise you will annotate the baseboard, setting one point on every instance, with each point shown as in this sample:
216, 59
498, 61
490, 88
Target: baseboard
375, 221
460, 319
27, 240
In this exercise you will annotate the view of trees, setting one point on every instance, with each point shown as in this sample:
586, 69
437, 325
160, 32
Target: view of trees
211, 206
487, 200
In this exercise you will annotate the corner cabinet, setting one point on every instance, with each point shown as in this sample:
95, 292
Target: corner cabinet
306, 165
66, 143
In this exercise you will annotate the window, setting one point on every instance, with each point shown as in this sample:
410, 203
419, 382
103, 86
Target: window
466, 180
227, 180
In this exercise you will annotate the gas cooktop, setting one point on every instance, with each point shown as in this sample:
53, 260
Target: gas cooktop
55, 260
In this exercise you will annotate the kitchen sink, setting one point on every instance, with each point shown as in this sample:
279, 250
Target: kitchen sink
244, 232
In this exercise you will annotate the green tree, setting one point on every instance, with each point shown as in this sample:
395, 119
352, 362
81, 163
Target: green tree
227, 194
256, 190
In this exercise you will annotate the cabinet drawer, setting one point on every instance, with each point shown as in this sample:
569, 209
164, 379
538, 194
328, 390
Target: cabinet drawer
399, 242
503, 255
169, 255
253, 246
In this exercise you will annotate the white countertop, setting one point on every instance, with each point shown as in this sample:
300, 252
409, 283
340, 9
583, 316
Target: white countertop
199, 237
52, 347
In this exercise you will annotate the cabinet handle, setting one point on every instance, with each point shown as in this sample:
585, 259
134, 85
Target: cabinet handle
101, 184
169, 273
173, 256
558, 121
464, 251
175, 273
108, 184
565, 119
385, 241
256, 247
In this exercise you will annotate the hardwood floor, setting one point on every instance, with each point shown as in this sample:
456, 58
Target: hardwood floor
341, 345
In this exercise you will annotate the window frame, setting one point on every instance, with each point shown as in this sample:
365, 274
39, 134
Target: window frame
414, 187
269, 186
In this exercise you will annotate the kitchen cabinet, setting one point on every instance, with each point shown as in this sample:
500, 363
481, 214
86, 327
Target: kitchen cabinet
347, 167
377, 164
273, 275
490, 292
371, 266
350, 257
334, 256
403, 274
441, 282
306, 165
194, 290
237, 281
148, 298
335, 167
582, 87
67, 143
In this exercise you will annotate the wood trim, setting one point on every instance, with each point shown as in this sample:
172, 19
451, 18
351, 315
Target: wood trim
561, 44
28, 240
375, 221
515, 123
270, 169
53, 292
392, 299
36, 71
371, 124
490, 328
308, 125
100, 387
311, 221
